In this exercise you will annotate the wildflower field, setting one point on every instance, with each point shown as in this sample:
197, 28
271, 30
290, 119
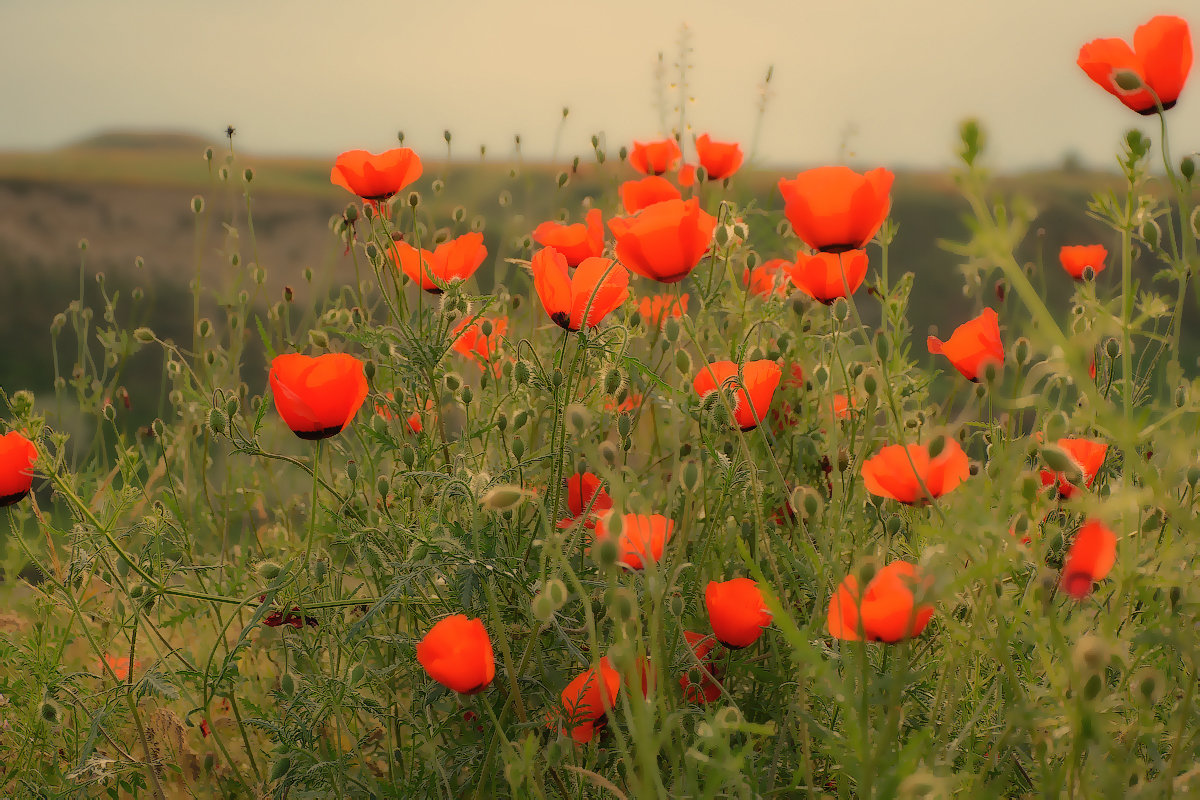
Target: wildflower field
659, 497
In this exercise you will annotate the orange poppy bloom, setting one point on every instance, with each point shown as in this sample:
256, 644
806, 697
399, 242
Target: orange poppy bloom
1090, 559
576, 242
598, 286
886, 612
375, 177
772, 277
644, 192
470, 341
719, 159
656, 308
973, 344
17, 455
317, 397
889, 473
708, 687
1088, 454
665, 241
1076, 258
414, 419
1161, 57
456, 259
120, 666
828, 276
581, 489
760, 379
687, 175
587, 699
643, 537
627, 406
736, 611
835, 209
655, 158
841, 406
457, 653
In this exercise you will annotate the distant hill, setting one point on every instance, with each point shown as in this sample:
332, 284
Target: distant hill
143, 140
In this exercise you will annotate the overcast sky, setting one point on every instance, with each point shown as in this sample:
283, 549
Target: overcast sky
880, 81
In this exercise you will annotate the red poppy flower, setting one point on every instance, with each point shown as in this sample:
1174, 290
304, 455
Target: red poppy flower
1161, 57
278, 618
643, 537
456, 259
886, 612
644, 192
795, 377
598, 286
1090, 559
840, 405
120, 666
655, 158
889, 473
719, 159
414, 419
656, 308
587, 699
375, 177
772, 277
828, 276
575, 242
470, 340
457, 653
317, 397
1076, 258
1088, 454
707, 687
835, 209
760, 379
631, 403
687, 175
17, 455
665, 241
736, 611
581, 489
973, 344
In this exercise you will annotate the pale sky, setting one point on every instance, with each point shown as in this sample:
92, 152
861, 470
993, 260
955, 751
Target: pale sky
316, 78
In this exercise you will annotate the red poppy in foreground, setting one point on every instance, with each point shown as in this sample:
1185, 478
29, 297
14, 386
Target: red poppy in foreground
772, 277
639, 194
1160, 59
1088, 454
471, 341
575, 242
1076, 258
598, 286
375, 177
642, 539
456, 259
719, 159
1090, 559
890, 472
17, 455
973, 344
701, 683
656, 308
317, 397
665, 241
655, 158
835, 209
886, 612
587, 699
736, 611
584, 490
759, 378
457, 653
828, 276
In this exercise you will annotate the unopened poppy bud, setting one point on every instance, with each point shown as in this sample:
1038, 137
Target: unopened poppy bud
287, 684
1060, 460
841, 309
157, 428
556, 378
1193, 475
280, 768
49, 712
143, 335
520, 418
217, 420
453, 381
541, 607
843, 460
437, 186
248, 174
893, 524
623, 153
208, 154
561, 179
197, 205
624, 423
1187, 167
866, 572
518, 449
408, 455
1091, 653
870, 385
1112, 348
268, 570
521, 373
308, 274
991, 372
683, 362
1146, 685
821, 374
720, 414
605, 552
883, 346
671, 329
613, 380
689, 478
467, 395
318, 339
578, 418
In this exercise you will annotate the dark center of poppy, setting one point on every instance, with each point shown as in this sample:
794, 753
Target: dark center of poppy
323, 433
9, 499
562, 319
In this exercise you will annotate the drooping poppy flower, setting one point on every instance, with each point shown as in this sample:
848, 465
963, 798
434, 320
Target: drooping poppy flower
1090, 559
771, 277
665, 241
375, 177
1076, 258
719, 159
890, 472
644, 192
587, 699
736, 611
701, 681
1088, 454
598, 286
656, 308
457, 653
642, 539
581, 489
17, 455
470, 340
827, 276
886, 612
973, 344
277, 618
655, 158
1160, 58
456, 259
317, 397
835, 209
760, 379
687, 176
575, 242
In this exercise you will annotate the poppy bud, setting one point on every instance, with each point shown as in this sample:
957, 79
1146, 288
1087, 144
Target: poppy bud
608, 452
1187, 168
49, 712
352, 471
683, 362
606, 552
1146, 685
578, 418
248, 174
883, 346
541, 607
408, 455
870, 385
318, 339
157, 428
1059, 460
624, 423
1193, 475
287, 684
690, 476
453, 381
216, 420
841, 309
197, 206
613, 380
518, 449
821, 374
671, 329
437, 186
143, 335
521, 374
268, 570
467, 395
